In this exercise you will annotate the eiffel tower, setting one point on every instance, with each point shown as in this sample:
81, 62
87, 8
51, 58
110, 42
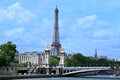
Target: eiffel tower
56, 46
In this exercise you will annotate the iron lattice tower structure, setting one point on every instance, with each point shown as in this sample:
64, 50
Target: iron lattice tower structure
56, 46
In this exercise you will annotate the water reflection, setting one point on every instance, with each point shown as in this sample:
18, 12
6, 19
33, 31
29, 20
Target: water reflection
97, 77
104, 77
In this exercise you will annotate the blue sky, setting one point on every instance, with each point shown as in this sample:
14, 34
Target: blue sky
85, 25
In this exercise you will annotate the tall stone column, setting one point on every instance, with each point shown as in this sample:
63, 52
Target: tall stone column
62, 58
47, 56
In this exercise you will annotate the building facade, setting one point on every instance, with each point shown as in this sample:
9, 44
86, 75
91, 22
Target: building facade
39, 59
34, 58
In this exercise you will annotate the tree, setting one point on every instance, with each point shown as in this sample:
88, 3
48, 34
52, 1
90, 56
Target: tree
7, 53
103, 62
87, 61
77, 60
68, 62
54, 61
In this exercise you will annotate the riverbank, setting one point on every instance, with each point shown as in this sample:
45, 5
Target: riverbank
28, 76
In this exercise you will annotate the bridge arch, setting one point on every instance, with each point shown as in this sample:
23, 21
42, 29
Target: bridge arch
67, 71
53, 71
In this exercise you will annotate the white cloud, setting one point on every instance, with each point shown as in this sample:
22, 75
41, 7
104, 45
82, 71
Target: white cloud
32, 38
43, 28
87, 21
14, 32
102, 23
106, 34
15, 13
101, 33
91, 21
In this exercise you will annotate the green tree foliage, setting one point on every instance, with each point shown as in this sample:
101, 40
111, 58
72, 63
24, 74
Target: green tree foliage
77, 60
68, 62
7, 53
54, 61
80, 60
13, 64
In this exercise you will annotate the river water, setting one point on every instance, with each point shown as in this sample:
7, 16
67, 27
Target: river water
98, 77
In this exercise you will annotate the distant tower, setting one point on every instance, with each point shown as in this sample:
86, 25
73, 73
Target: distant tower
95, 56
56, 46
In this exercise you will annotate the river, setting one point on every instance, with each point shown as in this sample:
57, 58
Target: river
98, 77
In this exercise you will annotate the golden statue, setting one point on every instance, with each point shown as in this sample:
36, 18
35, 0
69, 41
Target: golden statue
47, 47
62, 49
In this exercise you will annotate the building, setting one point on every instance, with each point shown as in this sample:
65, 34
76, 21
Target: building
16, 58
30, 57
103, 57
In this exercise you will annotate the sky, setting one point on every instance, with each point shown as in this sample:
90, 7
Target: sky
84, 25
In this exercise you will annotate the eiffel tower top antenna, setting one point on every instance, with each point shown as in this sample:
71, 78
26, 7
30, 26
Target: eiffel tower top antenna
56, 3
56, 46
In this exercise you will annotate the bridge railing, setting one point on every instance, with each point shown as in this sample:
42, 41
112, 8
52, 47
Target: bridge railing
85, 67
70, 70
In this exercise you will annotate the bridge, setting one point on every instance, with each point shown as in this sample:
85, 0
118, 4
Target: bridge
67, 71
64, 71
